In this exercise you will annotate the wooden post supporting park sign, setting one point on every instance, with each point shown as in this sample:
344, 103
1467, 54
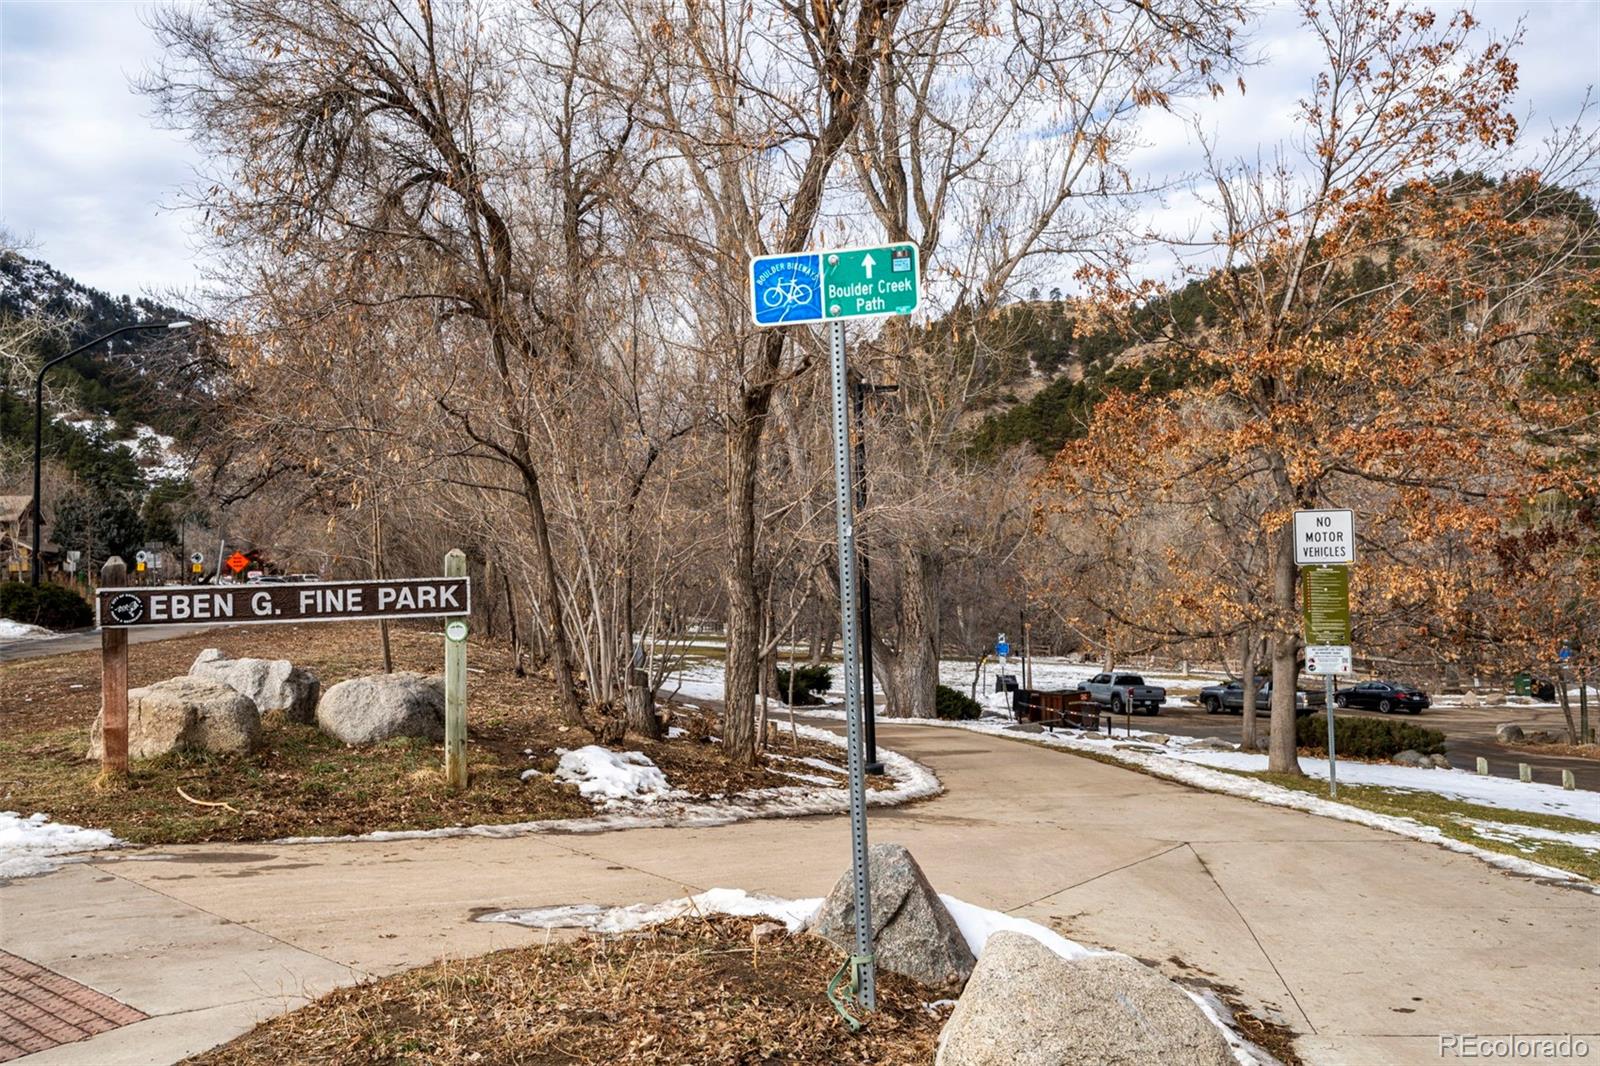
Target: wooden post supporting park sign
455, 684
113, 685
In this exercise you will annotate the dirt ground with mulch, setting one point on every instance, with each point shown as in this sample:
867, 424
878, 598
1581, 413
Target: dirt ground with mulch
696, 990
301, 782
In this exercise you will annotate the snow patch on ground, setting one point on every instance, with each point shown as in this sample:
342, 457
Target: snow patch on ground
912, 781
1503, 792
1511, 833
13, 630
977, 925
793, 913
608, 777
36, 845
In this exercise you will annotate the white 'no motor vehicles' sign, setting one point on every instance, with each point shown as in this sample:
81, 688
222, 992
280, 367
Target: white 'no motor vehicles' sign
1324, 537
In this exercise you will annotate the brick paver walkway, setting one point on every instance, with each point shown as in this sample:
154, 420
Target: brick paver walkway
40, 1009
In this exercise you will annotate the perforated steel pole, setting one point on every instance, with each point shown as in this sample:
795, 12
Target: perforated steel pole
1327, 708
844, 498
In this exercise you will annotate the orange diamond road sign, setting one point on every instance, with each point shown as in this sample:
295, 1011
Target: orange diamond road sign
238, 561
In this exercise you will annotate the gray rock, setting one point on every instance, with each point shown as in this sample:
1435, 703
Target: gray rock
274, 684
184, 714
365, 710
1213, 744
1026, 1006
1439, 762
1152, 738
1411, 758
1508, 731
913, 931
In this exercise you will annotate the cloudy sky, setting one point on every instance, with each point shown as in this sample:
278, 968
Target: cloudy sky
86, 179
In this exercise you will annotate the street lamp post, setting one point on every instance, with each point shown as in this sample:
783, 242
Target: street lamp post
869, 703
38, 425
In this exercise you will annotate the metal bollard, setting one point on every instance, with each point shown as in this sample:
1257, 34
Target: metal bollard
1524, 771
1568, 781
1483, 766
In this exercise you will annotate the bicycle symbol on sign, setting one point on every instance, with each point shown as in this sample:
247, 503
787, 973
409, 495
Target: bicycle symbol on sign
791, 293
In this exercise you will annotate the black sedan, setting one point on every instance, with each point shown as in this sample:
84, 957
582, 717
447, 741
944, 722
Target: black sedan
1385, 696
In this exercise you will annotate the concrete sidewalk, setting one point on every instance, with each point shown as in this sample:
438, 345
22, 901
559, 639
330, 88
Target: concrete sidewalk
1370, 945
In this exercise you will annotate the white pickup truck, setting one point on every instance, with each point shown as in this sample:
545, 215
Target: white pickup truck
1123, 693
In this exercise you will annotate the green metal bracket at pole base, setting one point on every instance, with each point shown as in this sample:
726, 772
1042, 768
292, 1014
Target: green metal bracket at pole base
852, 966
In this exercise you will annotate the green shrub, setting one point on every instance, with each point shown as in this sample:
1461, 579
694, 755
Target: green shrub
809, 684
1367, 738
50, 606
955, 705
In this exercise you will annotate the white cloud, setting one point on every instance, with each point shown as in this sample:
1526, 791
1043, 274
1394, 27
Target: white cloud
85, 172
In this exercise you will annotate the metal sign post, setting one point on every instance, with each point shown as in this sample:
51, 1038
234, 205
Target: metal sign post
844, 520
1327, 709
793, 288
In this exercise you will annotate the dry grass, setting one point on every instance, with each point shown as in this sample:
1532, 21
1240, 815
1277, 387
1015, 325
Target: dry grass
301, 782
692, 991
1571, 751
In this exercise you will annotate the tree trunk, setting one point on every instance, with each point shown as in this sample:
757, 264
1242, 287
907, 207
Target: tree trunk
1281, 758
555, 624
638, 700
1565, 699
517, 668
1247, 673
641, 705
912, 669
744, 597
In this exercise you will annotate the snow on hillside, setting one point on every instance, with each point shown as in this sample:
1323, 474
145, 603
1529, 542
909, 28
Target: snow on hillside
156, 453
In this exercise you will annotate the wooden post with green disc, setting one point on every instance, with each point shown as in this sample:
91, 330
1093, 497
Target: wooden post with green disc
455, 684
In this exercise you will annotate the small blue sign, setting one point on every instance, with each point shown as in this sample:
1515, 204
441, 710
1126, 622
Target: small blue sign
1002, 649
1565, 653
786, 289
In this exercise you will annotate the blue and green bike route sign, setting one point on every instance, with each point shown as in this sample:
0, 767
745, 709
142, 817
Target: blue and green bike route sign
826, 286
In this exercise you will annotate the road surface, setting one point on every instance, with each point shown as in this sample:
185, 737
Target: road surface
87, 640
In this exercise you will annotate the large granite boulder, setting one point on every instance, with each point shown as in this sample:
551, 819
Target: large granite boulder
184, 714
365, 710
1027, 1006
914, 933
274, 684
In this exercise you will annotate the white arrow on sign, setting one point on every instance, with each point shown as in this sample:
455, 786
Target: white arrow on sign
866, 265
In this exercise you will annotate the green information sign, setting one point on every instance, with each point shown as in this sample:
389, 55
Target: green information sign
858, 282
1325, 604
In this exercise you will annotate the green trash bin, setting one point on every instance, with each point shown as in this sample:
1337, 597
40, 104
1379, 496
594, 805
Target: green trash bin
1522, 684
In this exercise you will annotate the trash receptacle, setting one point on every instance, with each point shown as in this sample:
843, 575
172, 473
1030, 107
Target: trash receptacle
1522, 684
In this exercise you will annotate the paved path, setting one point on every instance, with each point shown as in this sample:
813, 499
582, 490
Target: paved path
1369, 944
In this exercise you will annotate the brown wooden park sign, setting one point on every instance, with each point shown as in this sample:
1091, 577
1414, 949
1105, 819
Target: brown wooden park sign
119, 609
